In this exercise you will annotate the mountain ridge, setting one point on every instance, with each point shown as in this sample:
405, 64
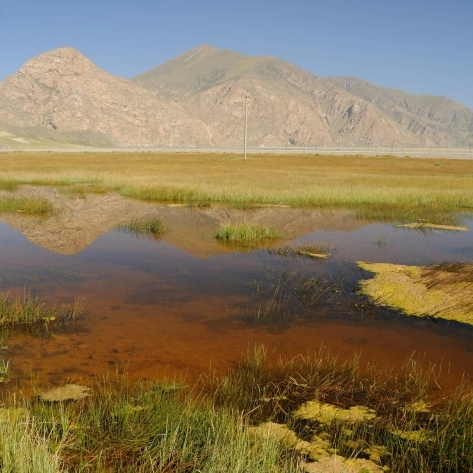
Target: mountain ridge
197, 99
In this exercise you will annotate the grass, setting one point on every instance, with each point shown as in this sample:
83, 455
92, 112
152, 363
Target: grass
383, 188
153, 227
28, 311
224, 423
27, 205
245, 234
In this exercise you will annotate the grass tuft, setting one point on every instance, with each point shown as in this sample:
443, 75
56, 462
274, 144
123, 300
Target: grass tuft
245, 234
153, 227
29, 311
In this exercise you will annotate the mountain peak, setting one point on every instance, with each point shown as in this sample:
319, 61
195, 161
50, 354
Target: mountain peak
59, 61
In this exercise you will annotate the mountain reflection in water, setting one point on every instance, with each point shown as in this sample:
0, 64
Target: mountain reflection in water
185, 304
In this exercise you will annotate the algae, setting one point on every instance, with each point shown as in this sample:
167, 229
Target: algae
339, 464
315, 449
326, 414
69, 392
415, 436
443, 291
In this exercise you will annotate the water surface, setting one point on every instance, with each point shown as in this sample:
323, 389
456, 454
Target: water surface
181, 305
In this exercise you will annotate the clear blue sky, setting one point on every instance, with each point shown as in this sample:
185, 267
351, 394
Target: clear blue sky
420, 46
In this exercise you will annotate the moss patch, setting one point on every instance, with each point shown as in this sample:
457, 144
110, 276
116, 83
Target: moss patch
437, 291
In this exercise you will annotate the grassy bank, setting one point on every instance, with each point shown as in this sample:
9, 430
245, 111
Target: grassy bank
292, 416
382, 187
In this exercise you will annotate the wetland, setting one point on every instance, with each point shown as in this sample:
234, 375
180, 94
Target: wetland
167, 292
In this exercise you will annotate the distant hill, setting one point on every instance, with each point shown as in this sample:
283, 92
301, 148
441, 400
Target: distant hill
61, 95
197, 99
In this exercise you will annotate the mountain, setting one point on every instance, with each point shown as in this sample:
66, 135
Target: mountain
414, 111
197, 99
61, 95
288, 105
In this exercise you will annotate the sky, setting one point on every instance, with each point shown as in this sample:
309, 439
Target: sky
419, 46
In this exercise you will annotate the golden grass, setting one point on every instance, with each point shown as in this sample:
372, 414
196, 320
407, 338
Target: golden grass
369, 184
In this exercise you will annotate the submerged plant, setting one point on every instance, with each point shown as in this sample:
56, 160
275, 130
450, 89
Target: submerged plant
315, 251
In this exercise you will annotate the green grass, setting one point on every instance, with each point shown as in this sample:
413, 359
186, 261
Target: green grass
153, 227
28, 311
27, 205
245, 234
168, 427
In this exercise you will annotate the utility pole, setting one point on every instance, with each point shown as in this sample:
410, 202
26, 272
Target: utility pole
246, 124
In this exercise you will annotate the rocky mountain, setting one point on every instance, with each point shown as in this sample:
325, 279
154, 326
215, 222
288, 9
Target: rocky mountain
61, 95
198, 99
416, 112
288, 105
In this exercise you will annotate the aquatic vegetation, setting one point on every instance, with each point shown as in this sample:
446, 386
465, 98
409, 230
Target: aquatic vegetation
245, 234
444, 290
27, 205
69, 392
29, 311
279, 297
316, 251
151, 226
325, 414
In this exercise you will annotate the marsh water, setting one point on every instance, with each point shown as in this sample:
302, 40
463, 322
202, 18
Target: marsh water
184, 304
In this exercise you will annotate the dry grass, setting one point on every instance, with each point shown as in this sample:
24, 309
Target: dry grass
382, 185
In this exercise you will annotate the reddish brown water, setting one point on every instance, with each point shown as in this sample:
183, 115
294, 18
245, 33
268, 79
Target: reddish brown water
156, 310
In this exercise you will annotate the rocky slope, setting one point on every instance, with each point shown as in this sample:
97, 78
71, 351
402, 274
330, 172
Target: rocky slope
288, 105
64, 92
416, 112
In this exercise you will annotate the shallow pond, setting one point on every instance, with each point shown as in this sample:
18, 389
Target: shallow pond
185, 304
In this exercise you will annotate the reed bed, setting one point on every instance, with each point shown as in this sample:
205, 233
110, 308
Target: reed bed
389, 188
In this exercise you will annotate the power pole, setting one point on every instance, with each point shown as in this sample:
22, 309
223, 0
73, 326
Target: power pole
246, 125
